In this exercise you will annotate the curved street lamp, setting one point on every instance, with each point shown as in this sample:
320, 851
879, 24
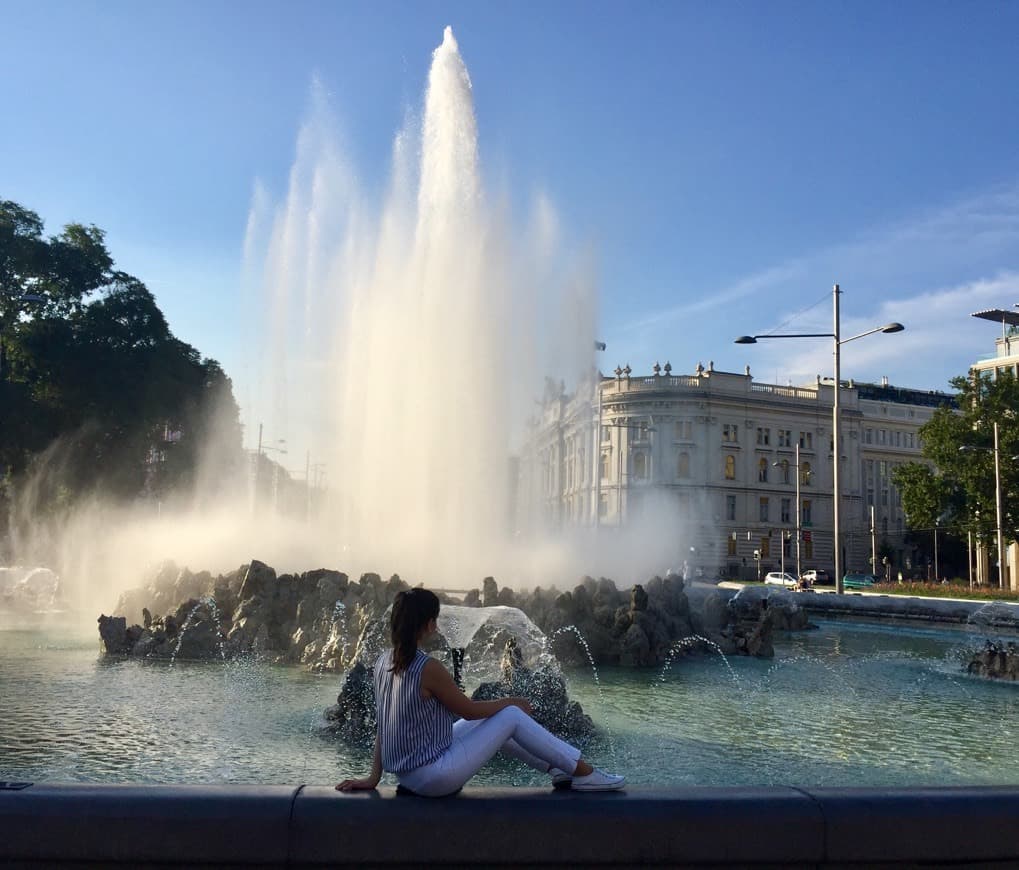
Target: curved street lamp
837, 343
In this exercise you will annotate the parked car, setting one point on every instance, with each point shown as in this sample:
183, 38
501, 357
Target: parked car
818, 577
778, 578
858, 581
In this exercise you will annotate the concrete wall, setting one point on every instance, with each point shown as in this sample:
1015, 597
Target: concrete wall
315, 826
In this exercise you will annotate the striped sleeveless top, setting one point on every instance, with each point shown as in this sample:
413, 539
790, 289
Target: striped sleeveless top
413, 731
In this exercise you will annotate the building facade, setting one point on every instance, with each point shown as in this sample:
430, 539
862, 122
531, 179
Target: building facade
720, 454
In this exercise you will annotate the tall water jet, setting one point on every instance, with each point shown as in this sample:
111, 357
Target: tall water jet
404, 347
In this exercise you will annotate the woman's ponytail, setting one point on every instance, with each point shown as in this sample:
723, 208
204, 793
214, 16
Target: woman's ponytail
413, 609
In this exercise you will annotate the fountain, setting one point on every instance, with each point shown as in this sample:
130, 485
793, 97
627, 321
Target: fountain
439, 329
29, 590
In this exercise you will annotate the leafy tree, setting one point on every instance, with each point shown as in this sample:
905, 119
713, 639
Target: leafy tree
93, 374
956, 488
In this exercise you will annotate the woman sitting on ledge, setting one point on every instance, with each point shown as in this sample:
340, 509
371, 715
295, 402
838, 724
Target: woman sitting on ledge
435, 738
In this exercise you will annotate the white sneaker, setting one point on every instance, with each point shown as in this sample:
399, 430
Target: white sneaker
598, 780
560, 779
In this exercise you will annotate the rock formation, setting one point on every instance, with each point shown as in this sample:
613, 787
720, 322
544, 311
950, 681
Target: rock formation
998, 661
324, 620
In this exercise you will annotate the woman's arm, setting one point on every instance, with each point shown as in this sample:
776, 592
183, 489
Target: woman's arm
436, 681
371, 781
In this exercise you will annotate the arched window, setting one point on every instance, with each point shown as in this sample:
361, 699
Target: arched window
762, 470
683, 465
785, 471
805, 473
640, 466
730, 467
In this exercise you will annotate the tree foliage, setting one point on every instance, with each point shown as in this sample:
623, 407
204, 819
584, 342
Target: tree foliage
89, 360
956, 488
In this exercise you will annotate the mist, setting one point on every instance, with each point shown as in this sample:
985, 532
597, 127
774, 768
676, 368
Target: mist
398, 344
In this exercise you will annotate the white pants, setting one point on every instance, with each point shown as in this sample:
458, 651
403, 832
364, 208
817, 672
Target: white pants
511, 731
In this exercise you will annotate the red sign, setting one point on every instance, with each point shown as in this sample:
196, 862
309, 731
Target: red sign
806, 536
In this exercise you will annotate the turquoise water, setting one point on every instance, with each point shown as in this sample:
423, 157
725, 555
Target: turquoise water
844, 705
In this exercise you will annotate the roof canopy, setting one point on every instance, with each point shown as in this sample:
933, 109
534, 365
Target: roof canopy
999, 315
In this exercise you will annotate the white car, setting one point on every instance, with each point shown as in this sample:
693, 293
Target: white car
777, 578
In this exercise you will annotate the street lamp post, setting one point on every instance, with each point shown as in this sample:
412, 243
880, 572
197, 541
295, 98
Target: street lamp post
798, 511
837, 343
968, 448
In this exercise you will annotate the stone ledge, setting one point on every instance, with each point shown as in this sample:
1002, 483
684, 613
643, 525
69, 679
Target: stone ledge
315, 826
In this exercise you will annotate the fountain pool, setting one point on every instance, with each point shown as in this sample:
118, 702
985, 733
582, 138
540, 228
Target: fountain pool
848, 705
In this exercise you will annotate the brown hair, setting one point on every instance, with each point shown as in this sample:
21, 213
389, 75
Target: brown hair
412, 611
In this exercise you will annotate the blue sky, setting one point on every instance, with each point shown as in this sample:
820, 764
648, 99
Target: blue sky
725, 162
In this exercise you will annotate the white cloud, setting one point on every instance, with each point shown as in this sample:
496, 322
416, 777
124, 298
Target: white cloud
930, 272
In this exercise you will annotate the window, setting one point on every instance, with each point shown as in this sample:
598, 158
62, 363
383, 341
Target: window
730, 508
765, 546
882, 436
603, 505
730, 467
870, 471
730, 433
763, 436
785, 470
605, 459
868, 436
870, 496
805, 474
683, 465
807, 511
806, 440
785, 508
731, 548
787, 545
884, 496
808, 549
785, 438
883, 469
764, 509
683, 430
606, 434
640, 466
762, 470
898, 438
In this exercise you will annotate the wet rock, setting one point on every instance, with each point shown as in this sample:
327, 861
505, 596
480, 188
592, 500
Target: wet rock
113, 634
352, 717
996, 661
545, 688
489, 592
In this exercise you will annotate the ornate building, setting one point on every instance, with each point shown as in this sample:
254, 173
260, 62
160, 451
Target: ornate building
719, 454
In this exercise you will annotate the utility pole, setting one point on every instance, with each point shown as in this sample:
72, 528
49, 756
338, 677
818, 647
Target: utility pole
258, 469
307, 487
873, 544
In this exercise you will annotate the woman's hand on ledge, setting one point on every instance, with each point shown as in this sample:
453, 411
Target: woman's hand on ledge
357, 784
